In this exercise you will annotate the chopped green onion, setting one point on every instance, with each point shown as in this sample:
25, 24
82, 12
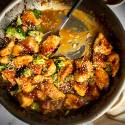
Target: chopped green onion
35, 106
27, 72
2, 67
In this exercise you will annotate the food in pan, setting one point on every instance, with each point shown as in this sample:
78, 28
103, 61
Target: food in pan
46, 83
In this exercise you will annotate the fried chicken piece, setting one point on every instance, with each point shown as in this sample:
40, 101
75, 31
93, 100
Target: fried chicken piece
65, 71
17, 50
53, 92
8, 49
30, 44
51, 105
99, 60
72, 102
25, 84
22, 60
94, 92
50, 68
4, 60
37, 69
28, 18
102, 45
38, 79
10, 76
80, 88
41, 95
114, 61
49, 45
102, 78
84, 72
24, 100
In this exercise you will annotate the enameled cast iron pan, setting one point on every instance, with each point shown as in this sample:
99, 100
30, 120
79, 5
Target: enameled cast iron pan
115, 33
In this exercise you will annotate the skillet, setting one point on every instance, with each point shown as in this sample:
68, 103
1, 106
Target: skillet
116, 35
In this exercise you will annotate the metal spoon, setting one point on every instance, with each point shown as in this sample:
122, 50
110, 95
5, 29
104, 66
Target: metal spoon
65, 20
77, 53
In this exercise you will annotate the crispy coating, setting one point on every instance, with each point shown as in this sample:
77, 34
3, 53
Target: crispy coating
84, 72
51, 105
38, 79
41, 95
99, 60
53, 92
30, 45
17, 50
80, 88
49, 45
8, 49
22, 60
94, 91
65, 71
114, 62
4, 60
10, 76
51, 68
102, 78
72, 102
25, 101
25, 83
102, 45
28, 18
37, 69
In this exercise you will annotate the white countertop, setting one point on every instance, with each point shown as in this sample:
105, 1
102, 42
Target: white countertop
7, 119
120, 12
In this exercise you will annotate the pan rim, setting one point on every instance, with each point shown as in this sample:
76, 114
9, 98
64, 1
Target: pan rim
92, 118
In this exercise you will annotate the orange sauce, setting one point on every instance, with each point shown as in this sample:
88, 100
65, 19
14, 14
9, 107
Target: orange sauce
71, 41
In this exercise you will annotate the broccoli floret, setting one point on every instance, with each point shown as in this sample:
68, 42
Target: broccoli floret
2, 67
35, 106
55, 80
54, 77
37, 35
15, 90
19, 21
38, 60
10, 31
108, 69
59, 63
15, 32
37, 13
10, 67
40, 28
27, 72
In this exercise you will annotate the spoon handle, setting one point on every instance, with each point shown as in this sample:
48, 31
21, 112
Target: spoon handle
75, 5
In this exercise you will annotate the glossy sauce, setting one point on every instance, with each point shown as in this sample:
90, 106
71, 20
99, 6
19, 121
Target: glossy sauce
73, 40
